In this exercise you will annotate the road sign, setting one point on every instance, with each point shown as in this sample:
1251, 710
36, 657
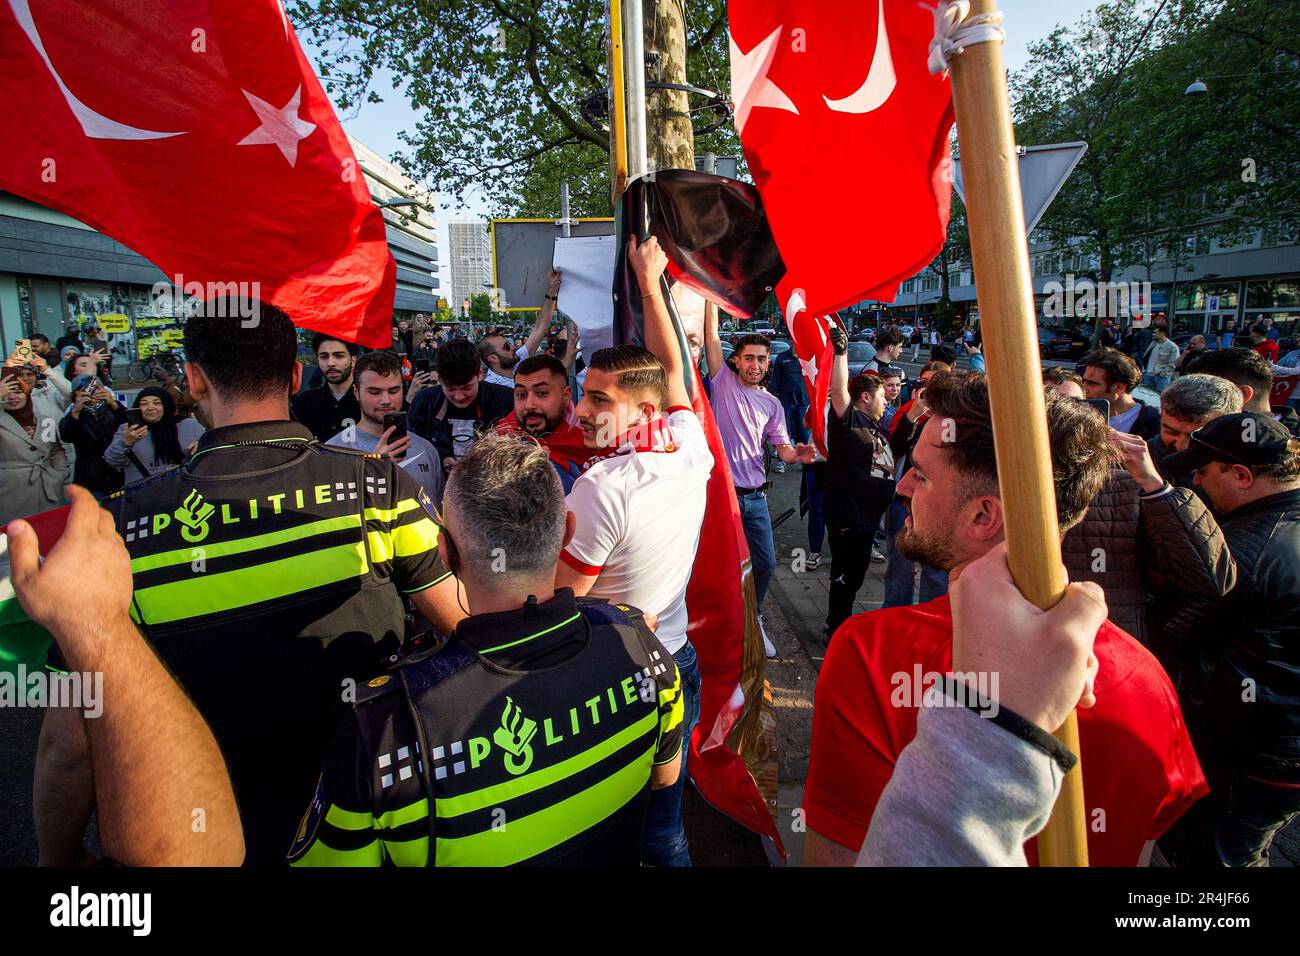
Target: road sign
521, 257
1043, 171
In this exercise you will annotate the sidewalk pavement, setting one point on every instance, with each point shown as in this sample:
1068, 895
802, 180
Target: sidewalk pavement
794, 613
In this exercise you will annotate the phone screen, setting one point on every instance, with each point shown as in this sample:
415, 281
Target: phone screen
135, 417
1102, 405
397, 422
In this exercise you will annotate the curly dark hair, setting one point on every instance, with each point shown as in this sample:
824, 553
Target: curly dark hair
1078, 437
1119, 368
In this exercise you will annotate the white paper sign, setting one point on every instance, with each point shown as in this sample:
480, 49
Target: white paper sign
587, 287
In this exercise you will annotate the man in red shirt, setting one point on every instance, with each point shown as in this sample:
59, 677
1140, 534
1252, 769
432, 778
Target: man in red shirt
1261, 343
1140, 772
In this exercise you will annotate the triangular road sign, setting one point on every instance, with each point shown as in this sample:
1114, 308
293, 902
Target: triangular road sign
1043, 171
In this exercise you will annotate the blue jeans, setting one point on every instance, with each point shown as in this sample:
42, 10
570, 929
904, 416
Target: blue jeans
899, 586
794, 426
663, 841
1157, 383
758, 532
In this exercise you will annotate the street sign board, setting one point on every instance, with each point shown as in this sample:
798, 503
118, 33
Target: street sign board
521, 257
1043, 171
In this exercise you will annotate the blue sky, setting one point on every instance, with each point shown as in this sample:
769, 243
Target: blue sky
377, 124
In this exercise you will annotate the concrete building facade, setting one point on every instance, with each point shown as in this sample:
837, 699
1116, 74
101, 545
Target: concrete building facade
55, 270
471, 262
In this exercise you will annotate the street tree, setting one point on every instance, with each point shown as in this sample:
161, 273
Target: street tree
510, 94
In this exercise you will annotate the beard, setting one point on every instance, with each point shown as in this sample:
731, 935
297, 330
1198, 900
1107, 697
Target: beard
538, 424
509, 363
334, 375
930, 548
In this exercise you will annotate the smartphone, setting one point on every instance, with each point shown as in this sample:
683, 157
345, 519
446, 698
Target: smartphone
87, 382
23, 350
1101, 404
423, 366
135, 417
397, 422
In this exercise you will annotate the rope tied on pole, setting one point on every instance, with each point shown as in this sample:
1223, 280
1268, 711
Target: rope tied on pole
954, 32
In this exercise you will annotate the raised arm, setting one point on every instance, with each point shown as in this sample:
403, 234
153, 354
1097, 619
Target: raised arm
839, 394
712, 341
648, 262
571, 348
544, 316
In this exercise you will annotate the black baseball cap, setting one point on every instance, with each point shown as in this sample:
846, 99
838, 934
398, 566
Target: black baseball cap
1247, 438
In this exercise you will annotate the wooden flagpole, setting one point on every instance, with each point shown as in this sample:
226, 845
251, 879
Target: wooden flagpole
1000, 257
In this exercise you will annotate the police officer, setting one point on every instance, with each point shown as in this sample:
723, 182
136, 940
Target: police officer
269, 574
535, 735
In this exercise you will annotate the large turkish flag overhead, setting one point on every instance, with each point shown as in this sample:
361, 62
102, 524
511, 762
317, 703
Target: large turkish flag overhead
846, 134
196, 133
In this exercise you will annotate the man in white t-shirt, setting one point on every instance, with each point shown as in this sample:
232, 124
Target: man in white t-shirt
638, 507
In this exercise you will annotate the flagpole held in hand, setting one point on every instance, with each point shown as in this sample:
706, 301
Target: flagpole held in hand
1000, 256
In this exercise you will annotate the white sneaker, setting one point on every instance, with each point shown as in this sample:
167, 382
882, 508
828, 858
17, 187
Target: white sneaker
876, 555
814, 561
768, 646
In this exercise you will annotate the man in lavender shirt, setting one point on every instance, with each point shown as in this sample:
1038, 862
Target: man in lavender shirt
748, 416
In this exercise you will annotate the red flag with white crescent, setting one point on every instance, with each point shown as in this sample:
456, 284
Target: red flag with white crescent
846, 133
195, 132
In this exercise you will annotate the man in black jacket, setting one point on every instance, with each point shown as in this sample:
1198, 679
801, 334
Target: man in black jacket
332, 406
462, 406
1241, 684
1112, 375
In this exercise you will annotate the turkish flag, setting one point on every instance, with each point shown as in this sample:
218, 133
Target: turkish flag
812, 343
195, 132
847, 136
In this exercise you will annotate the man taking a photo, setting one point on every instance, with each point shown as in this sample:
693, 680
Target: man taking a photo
379, 392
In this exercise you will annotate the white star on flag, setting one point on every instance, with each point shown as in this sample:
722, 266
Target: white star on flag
280, 127
809, 366
750, 86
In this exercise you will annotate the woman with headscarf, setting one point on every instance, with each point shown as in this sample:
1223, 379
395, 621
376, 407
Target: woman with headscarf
161, 442
33, 462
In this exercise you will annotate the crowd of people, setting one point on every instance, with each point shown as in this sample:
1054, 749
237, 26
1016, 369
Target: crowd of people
428, 605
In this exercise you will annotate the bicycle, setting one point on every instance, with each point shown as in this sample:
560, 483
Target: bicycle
144, 370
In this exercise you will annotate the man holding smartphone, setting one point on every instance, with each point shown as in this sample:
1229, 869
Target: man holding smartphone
381, 429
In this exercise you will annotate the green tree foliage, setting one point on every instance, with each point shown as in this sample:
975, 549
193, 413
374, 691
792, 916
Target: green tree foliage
499, 87
480, 309
1161, 165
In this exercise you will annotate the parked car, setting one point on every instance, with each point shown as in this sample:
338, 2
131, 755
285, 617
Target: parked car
863, 335
781, 345
1061, 343
860, 353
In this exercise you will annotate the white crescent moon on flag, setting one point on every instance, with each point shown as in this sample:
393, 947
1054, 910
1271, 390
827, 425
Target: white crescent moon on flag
96, 125
880, 81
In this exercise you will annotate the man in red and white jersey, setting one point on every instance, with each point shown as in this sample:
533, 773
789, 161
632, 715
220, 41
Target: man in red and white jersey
638, 507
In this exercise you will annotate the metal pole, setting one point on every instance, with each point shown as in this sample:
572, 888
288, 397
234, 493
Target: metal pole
565, 221
634, 75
